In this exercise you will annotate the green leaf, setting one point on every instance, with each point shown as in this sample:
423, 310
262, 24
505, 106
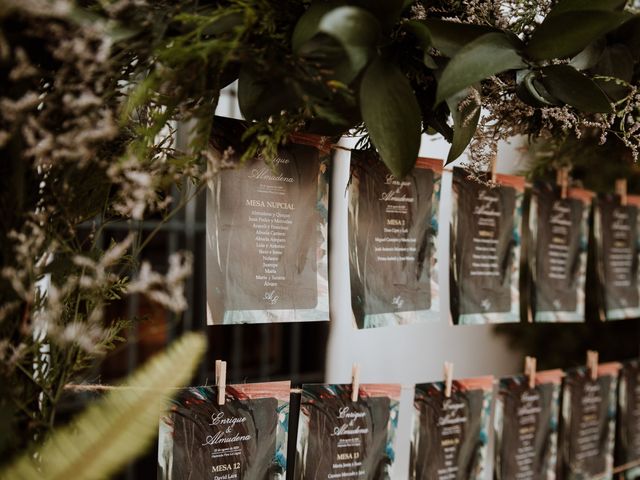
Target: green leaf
429, 61
308, 24
250, 89
392, 116
117, 428
614, 88
616, 61
579, 5
487, 55
330, 57
261, 96
629, 35
573, 88
420, 31
465, 122
449, 37
588, 57
566, 34
531, 91
356, 29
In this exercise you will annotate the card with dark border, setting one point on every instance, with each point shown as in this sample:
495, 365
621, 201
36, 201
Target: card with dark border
526, 427
393, 228
246, 438
486, 232
338, 438
587, 427
450, 435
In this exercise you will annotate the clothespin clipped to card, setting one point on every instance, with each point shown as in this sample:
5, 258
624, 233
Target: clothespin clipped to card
530, 365
493, 167
448, 378
621, 190
221, 380
355, 382
562, 179
592, 364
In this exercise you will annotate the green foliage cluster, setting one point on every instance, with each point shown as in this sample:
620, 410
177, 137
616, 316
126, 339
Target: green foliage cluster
381, 64
388, 67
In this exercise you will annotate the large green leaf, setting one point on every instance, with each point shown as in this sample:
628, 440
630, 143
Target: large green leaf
450, 37
566, 34
356, 29
308, 24
392, 116
572, 87
578, 5
115, 429
465, 122
487, 55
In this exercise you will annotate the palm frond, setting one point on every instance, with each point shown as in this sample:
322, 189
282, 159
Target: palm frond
116, 428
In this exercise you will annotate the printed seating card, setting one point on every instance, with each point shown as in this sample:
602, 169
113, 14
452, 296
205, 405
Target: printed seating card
618, 244
485, 253
587, 429
244, 438
558, 236
266, 234
339, 438
627, 452
393, 227
450, 435
526, 427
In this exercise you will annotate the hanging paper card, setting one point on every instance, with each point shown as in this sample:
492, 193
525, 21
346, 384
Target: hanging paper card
618, 244
558, 239
526, 427
485, 253
244, 438
450, 435
266, 234
627, 453
338, 438
393, 227
587, 427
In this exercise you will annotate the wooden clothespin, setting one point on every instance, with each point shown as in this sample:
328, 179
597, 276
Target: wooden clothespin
592, 364
355, 382
448, 379
492, 168
621, 190
562, 179
530, 365
221, 380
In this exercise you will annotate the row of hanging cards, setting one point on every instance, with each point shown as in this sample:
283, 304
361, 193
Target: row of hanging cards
548, 425
267, 242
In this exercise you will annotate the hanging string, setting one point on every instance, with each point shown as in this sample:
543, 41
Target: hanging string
98, 387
